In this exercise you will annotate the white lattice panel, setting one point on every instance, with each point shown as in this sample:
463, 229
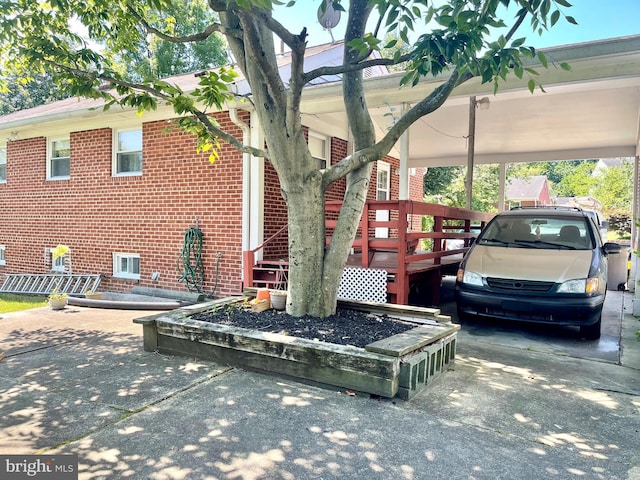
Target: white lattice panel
365, 284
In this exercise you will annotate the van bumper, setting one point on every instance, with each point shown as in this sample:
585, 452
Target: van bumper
556, 310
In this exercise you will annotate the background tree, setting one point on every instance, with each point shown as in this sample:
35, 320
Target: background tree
21, 95
157, 57
152, 58
457, 44
614, 188
572, 178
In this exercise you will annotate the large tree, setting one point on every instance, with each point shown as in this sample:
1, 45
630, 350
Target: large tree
453, 40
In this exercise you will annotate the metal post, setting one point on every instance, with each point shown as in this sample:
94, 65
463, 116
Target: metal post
470, 150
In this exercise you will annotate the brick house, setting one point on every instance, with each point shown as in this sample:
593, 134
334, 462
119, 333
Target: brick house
121, 191
528, 192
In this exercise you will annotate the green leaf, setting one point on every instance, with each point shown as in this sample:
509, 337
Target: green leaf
572, 20
518, 71
531, 85
555, 16
543, 59
392, 43
565, 66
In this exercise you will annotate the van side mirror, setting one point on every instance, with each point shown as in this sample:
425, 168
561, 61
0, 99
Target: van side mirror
611, 247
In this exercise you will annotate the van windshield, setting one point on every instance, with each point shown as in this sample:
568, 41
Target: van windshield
554, 232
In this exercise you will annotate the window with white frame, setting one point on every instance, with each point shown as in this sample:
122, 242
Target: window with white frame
319, 148
126, 265
128, 152
3, 164
60, 264
3, 250
58, 166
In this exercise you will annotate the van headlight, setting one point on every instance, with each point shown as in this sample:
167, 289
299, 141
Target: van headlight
469, 278
584, 286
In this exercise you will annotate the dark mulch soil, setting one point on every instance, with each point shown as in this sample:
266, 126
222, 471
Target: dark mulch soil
346, 327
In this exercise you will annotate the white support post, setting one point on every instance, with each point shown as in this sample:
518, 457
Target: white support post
403, 186
501, 187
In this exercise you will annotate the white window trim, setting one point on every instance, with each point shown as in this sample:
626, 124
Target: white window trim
3, 255
65, 267
49, 158
117, 257
114, 161
4, 149
326, 155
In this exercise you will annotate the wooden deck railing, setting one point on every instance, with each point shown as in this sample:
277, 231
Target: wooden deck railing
414, 247
249, 258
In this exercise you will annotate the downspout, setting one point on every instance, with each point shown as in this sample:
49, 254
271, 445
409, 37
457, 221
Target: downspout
246, 179
252, 184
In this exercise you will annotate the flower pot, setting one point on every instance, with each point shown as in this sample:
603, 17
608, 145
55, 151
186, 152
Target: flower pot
278, 299
57, 303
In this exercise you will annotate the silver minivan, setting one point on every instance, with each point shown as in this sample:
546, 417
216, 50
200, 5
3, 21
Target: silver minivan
544, 265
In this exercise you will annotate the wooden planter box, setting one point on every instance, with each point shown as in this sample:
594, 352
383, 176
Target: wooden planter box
401, 365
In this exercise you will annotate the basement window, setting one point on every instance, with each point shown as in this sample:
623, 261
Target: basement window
3, 250
128, 153
126, 265
60, 264
3, 164
58, 165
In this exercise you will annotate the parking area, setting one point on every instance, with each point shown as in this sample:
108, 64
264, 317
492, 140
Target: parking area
517, 404
543, 338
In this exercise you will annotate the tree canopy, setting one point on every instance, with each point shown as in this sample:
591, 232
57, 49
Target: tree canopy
79, 44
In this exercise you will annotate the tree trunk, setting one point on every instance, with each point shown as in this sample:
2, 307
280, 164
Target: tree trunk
306, 252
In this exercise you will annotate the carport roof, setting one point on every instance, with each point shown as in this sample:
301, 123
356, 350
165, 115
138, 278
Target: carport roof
592, 111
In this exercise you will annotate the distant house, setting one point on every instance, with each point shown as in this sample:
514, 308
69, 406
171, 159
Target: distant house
605, 164
528, 192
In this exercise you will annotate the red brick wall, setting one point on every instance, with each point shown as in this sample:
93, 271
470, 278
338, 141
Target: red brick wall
96, 214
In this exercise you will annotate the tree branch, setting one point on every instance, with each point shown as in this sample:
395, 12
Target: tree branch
217, 132
514, 28
384, 146
199, 114
196, 37
339, 69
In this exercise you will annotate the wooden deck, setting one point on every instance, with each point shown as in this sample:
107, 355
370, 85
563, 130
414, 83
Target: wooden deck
413, 270
422, 277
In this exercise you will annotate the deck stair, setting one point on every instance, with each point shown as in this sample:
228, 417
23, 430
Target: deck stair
43, 284
271, 274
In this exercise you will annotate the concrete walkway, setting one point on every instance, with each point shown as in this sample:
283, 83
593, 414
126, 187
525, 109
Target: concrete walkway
78, 381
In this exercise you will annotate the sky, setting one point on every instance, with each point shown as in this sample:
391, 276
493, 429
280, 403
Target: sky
597, 19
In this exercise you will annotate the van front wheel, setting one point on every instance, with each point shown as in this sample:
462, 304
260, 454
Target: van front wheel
592, 332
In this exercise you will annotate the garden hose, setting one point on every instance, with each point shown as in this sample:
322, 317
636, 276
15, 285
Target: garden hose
190, 264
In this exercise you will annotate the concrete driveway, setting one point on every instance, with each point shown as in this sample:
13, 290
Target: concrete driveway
544, 338
78, 381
